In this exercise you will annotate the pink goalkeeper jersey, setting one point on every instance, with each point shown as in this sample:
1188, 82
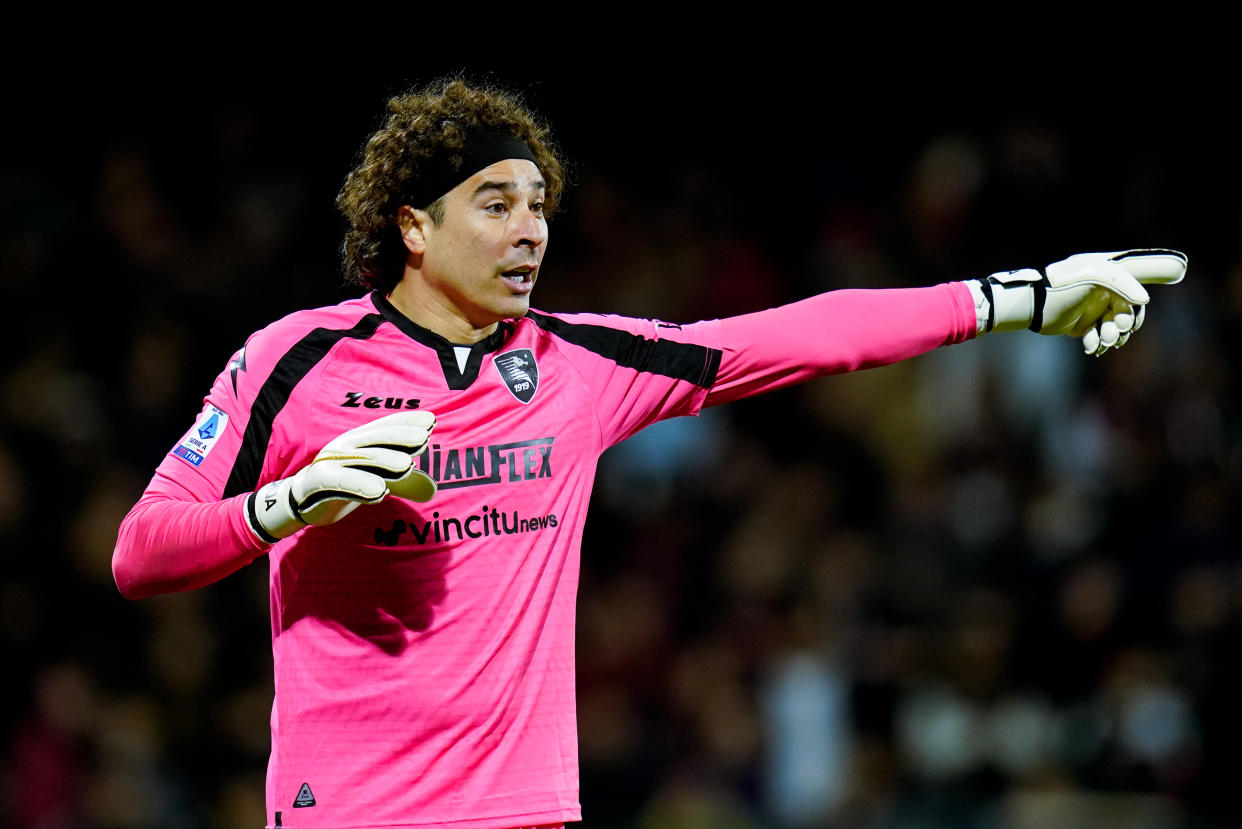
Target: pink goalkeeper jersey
424, 653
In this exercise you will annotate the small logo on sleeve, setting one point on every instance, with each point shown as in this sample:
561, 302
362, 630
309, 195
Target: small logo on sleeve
520, 372
198, 442
208, 430
305, 797
238, 363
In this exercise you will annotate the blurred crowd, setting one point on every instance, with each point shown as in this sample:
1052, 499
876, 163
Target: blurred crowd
994, 586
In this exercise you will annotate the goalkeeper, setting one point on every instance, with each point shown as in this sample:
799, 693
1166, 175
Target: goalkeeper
416, 465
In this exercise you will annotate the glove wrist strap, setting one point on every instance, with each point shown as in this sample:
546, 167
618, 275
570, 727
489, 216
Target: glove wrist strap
1039, 295
981, 293
252, 520
272, 512
1014, 300
1008, 301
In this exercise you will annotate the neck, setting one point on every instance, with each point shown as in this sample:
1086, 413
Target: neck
413, 300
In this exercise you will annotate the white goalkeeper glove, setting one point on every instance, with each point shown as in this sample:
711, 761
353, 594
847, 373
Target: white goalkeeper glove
1097, 296
1150, 267
359, 467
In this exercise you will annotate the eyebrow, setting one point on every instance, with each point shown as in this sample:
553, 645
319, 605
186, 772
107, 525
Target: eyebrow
505, 187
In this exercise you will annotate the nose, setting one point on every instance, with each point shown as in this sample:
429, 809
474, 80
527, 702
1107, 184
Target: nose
530, 230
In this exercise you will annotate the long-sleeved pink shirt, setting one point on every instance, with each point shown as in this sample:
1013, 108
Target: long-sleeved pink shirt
424, 653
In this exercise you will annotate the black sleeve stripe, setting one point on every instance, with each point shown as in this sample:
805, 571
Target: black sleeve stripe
690, 362
290, 369
712, 367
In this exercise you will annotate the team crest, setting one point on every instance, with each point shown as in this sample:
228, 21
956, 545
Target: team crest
520, 373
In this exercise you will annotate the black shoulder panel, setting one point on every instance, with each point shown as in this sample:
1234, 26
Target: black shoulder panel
272, 397
693, 363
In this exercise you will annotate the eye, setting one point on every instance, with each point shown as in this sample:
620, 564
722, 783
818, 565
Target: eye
537, 208
496, 208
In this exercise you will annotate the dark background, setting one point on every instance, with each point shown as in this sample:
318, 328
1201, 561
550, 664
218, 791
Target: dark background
994, 586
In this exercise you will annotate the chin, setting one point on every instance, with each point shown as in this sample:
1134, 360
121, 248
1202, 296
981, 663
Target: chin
517, 309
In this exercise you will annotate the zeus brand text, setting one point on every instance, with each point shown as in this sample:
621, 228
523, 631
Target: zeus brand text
359, 400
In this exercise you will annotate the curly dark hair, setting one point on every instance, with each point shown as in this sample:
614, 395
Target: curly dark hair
426, 126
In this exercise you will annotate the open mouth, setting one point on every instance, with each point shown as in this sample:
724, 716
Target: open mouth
520, 279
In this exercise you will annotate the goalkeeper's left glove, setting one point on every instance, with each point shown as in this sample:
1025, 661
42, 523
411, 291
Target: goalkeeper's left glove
1097, 296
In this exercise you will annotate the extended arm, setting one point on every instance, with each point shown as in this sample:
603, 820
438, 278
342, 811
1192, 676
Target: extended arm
1096, 296
834, 333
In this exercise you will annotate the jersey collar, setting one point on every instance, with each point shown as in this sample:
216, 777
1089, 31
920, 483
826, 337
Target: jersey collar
455, 377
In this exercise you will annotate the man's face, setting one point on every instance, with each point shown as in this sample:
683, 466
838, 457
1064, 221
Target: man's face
482, 260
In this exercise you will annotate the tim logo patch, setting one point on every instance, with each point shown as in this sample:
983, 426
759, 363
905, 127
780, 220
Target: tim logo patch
197, 443
520, 373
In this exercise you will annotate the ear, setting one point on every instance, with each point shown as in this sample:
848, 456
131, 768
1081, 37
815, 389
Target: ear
413, 223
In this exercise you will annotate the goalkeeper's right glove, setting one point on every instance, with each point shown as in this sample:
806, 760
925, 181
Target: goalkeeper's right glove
359, 467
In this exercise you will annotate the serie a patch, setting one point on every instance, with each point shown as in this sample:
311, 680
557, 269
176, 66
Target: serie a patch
198, 442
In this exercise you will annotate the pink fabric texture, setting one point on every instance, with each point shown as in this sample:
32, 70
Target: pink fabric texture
424, 653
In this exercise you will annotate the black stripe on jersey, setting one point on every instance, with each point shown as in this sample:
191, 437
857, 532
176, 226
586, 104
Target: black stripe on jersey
693, 363
289, 371
454, 377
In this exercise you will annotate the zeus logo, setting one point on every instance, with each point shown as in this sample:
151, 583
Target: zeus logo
356, 400
523, 460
